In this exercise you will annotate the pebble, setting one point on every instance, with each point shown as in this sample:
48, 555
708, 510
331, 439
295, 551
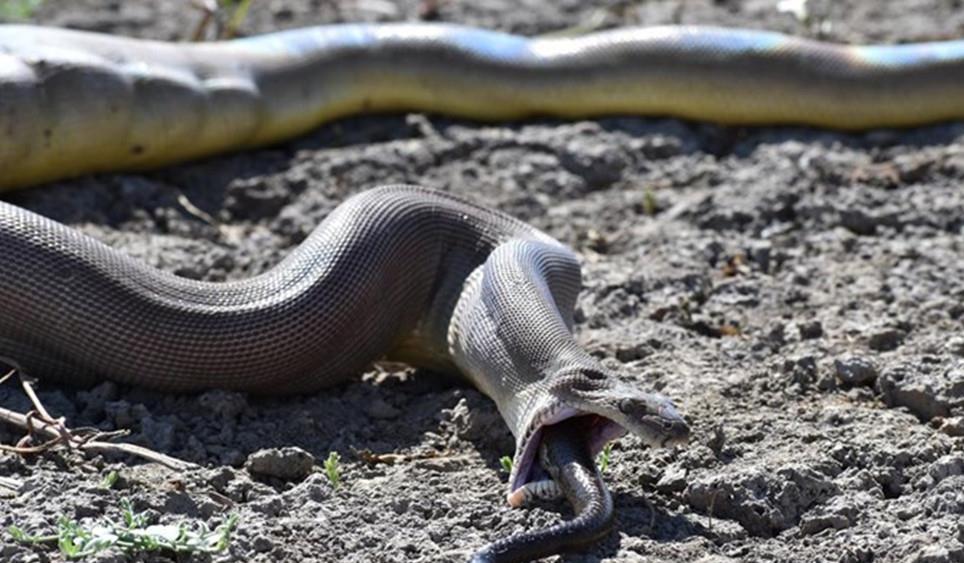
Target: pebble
886, 339
262, 544
289, 463
673, 479
955, 345
810, 330
228, 404
855, 370
952, 426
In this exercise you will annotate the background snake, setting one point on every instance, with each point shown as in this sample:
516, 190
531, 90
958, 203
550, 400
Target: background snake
406, 272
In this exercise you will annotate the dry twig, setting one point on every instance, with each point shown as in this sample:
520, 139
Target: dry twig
55, 432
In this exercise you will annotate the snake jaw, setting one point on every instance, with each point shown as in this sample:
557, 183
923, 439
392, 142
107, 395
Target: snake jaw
527, 447
617, 408
525, 467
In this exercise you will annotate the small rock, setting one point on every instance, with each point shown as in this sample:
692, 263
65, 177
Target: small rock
952, 426
673, 479
598, 165
269, 505
855, 370
940, 554
208, 508
812, 524
838, 513
717, 440
315, 488
810, 330
907, 512
220, 477
926, 394
802, 370
858, 221
948, 466
255, 198
886, 339
262, 544
955, 345
776, 334
289, 463
760, 252
228, 404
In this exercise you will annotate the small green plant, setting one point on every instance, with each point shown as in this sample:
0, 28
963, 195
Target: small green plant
332, 469
604, 456
109, 480
506, 462
238, 10
650, 205
132, 535
12, 10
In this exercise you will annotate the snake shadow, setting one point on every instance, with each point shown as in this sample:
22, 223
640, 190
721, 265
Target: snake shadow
665, 137
638, 518
380, 413
257, 184
635, 518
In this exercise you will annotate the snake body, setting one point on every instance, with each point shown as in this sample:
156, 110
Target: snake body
566, 455
74, 102
402, 272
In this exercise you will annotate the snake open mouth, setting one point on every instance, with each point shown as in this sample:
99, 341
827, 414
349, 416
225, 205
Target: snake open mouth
526, 467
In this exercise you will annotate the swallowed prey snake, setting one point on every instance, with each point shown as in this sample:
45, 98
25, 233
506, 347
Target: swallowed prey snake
400, 271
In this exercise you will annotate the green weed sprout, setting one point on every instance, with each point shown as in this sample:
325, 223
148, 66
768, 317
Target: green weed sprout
332, 469
506, 462
605, 456
132, 535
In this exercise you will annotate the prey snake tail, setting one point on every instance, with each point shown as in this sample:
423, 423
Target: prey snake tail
438, 281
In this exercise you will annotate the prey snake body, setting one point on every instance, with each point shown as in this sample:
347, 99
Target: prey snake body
401, 271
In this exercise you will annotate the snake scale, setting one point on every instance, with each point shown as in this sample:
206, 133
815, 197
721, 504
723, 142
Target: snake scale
402, 272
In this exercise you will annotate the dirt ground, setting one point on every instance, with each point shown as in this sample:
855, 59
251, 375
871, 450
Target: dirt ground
797, 292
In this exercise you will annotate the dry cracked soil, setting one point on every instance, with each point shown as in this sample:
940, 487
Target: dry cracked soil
797, 292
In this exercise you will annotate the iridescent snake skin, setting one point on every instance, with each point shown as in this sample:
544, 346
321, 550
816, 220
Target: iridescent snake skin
401, 272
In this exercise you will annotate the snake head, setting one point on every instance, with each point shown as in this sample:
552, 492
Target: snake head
615, 407
650, 416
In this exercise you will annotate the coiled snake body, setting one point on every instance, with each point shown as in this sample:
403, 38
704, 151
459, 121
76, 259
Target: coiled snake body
407, 272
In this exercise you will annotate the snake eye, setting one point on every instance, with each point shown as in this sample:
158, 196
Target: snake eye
626, 406
595, 375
